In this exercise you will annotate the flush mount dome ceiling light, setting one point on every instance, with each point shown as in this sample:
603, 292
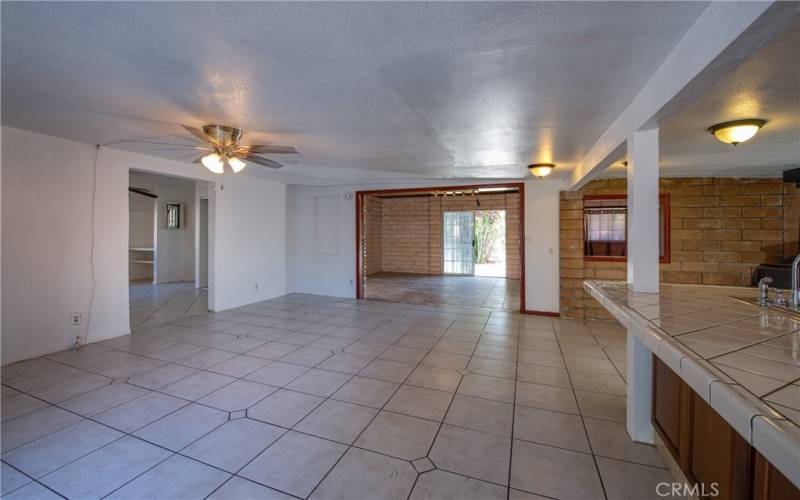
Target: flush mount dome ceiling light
737, 131
541, 169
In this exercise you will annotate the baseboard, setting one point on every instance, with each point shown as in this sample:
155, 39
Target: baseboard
550, 314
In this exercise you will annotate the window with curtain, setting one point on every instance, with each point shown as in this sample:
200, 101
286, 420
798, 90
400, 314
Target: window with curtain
605, 222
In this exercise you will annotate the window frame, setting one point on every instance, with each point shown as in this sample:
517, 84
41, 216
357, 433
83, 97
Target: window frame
664, 200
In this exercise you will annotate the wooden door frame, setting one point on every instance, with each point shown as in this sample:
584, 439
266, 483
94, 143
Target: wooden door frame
519, 186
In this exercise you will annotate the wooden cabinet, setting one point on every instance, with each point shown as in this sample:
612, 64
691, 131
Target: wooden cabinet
769, 483
671, 411
709, 452
718, 454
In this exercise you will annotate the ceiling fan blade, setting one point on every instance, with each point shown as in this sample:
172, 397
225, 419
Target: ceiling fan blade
198, 159
264, 162
272, 149
245, 152
199, 134
203, 147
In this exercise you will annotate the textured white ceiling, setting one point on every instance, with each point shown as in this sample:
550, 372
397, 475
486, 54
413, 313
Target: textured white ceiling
767, 86
366, 91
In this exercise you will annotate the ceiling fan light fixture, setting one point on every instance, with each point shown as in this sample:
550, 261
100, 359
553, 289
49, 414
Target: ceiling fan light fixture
541, 170
236, 164
737, 131
220, 145
213, 162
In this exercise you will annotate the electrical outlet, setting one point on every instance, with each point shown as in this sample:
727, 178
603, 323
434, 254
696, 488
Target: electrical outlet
75, 318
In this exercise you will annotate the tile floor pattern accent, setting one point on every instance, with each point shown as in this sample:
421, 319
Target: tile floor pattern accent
155, 304
317, 397
500, 294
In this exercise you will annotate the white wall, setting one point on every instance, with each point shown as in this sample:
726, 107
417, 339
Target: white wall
45, 241
249, 243
47, 227
542, 285
322, 274
309, 272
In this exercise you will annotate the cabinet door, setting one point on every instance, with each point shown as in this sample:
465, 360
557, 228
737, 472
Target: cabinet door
671, 410
720, 458
770, 484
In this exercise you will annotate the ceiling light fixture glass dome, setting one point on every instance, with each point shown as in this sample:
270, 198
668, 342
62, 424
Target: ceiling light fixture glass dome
737, 131
236, 164
541, 169
213, 162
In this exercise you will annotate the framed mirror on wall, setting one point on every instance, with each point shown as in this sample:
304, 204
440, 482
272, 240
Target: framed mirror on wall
173, 215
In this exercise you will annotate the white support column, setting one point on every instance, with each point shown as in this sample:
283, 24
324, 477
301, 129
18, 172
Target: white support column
643, 251
643, 211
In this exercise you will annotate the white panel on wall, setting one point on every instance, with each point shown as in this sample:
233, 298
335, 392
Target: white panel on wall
326, 225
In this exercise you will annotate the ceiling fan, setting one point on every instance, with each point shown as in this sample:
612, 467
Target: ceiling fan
221, 146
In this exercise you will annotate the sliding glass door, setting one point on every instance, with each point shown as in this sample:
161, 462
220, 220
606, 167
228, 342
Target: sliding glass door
458, 241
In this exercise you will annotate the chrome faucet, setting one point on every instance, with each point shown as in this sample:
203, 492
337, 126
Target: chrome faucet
794, 300
763, 290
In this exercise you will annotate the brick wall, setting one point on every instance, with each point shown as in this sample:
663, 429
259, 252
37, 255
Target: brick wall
373, 235
412, 231
720, 229
406, 235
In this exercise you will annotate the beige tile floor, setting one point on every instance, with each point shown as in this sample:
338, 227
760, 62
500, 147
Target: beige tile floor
155, 304
316, 397
485, 293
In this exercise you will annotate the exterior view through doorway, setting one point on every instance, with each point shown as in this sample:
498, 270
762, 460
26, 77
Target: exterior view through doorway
474, 243
449, 245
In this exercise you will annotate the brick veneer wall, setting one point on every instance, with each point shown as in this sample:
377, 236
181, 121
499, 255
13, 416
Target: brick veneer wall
412, 231
720, 229
406, 235
373, 235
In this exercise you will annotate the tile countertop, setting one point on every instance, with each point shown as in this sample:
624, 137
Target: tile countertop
741, 358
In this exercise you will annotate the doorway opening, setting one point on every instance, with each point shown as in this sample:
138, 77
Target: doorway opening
167, 247
457, 245
490, 243
202, 249
474, 243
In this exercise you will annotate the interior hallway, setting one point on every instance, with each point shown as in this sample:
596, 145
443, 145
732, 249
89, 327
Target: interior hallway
329, 398
499, 294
